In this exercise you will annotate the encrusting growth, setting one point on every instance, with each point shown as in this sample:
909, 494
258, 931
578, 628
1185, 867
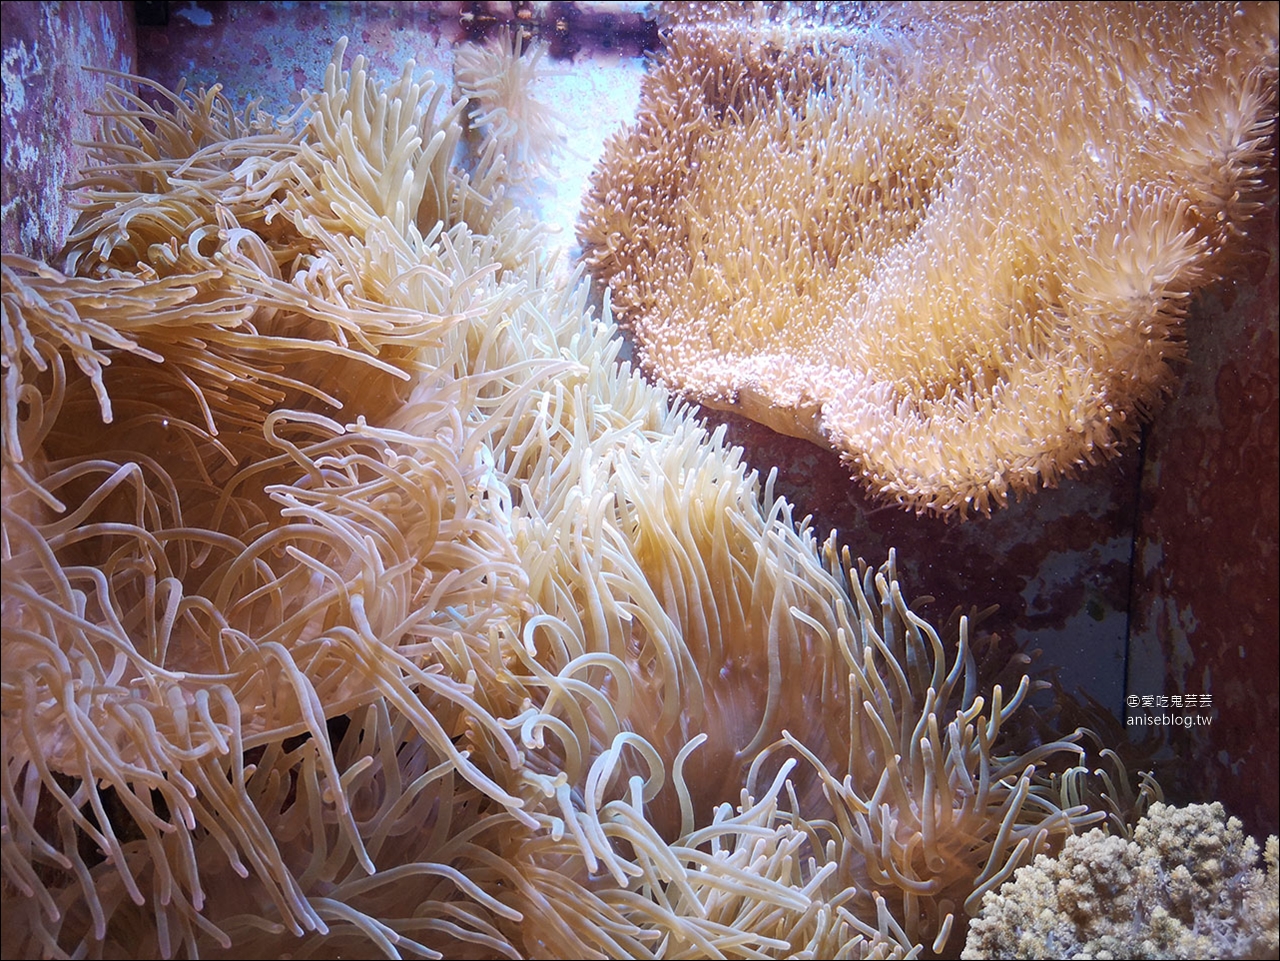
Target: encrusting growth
1185, 885
957, 252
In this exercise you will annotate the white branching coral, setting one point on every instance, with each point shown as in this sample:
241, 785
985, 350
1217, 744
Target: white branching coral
955, 252
1186, 885
356, 598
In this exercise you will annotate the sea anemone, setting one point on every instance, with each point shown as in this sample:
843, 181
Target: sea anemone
498, 81
357, 598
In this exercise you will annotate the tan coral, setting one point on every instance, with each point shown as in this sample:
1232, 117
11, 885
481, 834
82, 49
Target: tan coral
958, 254
1186, 885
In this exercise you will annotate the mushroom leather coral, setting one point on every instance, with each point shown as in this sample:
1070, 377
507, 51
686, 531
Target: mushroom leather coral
954, 241
357, 600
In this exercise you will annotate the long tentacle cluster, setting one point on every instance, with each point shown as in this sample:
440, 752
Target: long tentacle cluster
357, 598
